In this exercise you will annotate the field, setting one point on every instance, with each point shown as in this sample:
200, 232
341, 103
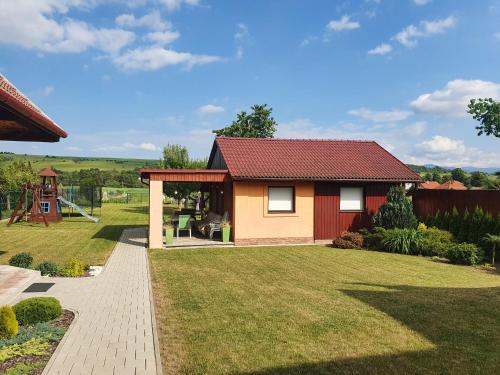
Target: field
313, 309
69, 163
73, 237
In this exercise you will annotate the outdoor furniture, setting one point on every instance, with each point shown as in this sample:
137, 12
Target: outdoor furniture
215, 226
203, 225
184, 223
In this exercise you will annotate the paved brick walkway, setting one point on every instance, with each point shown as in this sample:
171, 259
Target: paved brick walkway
113, 333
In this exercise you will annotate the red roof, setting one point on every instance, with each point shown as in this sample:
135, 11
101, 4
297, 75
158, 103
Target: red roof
452, 185
310, 159
15, 99
47, 172
429, 185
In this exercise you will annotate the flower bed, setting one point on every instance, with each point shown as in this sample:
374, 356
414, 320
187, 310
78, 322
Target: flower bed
29, 351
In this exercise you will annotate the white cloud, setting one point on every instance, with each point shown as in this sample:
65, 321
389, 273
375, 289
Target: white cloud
151, 20
452, 100
162, 37
416, 128
381, 49
47, 90
241, 37
172, 5
380, 116
73, 148
344, 23
145, 146
422, 2
444, 151
409, 36
210, 109
32, 25
153, 58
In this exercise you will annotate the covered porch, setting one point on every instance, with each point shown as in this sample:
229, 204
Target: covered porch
216, 183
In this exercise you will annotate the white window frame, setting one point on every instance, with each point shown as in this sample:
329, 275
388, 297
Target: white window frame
274, 207
352, 198
45, 207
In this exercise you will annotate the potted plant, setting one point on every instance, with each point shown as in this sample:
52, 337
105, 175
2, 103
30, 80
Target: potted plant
169, 233
225, 227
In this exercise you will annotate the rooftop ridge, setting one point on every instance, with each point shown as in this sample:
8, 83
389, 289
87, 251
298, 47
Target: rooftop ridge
300, 139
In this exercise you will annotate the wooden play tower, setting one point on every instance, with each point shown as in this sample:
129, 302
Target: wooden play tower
44, 206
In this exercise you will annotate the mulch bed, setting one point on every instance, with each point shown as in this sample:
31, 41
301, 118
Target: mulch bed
64, 321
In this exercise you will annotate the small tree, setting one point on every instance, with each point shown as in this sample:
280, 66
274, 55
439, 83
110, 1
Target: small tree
464, 227
458, 175
487, 112
437, 219
476, 222
455, 222
494, 242
257, 124
397, 212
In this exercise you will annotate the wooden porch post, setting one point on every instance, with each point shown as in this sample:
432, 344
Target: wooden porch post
155, 214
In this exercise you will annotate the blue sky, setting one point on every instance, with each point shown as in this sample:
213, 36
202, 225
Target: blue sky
124, 78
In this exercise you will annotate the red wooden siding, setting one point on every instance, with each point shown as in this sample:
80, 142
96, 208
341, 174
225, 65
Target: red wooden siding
330, 222
427, 202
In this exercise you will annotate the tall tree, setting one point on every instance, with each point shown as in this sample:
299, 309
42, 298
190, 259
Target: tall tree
257, 124
478, 179
487, 112
13, 177
458, 174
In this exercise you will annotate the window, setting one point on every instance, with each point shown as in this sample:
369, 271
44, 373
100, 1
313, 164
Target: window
45, 207
351, 199
281, 199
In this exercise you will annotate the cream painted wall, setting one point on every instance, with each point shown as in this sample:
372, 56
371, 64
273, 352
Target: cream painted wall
155, 214
253, 221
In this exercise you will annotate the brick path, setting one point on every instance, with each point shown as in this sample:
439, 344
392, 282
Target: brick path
113, 332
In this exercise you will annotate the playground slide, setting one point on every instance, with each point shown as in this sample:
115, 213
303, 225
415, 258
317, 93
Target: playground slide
79, 209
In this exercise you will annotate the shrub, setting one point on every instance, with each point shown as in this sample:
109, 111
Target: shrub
373, 239
74, 268
45, 330
455, 221
403, 241
37, 309
9, 325
34, 347
397, 212
464, 253
422, 227
47, 268
435, 242
23, 260
464, 227
349, 240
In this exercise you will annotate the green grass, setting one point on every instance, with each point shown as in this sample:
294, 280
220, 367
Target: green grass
313, 309
69, 163
73, 237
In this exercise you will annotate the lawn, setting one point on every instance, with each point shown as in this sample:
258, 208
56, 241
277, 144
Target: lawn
313, 309
73, 237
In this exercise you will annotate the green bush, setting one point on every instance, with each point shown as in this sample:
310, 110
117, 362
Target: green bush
455, 220
74, 268
9, 325
349, 240
24, 368
34, 347
435, 242
23, 260
48, 268
403, 241
373, 239
397, 212
37, 309
464, 253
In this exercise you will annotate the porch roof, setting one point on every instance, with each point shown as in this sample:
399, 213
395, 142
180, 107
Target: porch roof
184, 175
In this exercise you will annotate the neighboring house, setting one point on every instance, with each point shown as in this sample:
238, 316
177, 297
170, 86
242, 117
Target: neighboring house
21, 120
288, 190
448, 185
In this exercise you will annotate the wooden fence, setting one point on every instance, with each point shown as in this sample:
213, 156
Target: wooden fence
427, 201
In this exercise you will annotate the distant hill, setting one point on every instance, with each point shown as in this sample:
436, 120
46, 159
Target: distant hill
439, 169
70, 163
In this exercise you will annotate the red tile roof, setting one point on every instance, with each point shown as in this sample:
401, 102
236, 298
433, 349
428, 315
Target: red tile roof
429, 185
15, 99
310, 159
452, 185
47, 172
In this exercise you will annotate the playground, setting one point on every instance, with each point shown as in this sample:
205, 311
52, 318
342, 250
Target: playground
74, 236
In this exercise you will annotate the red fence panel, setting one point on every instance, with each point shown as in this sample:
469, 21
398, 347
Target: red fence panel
428, 201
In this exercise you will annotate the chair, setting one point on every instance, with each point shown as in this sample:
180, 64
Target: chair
184, 224
215, 226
